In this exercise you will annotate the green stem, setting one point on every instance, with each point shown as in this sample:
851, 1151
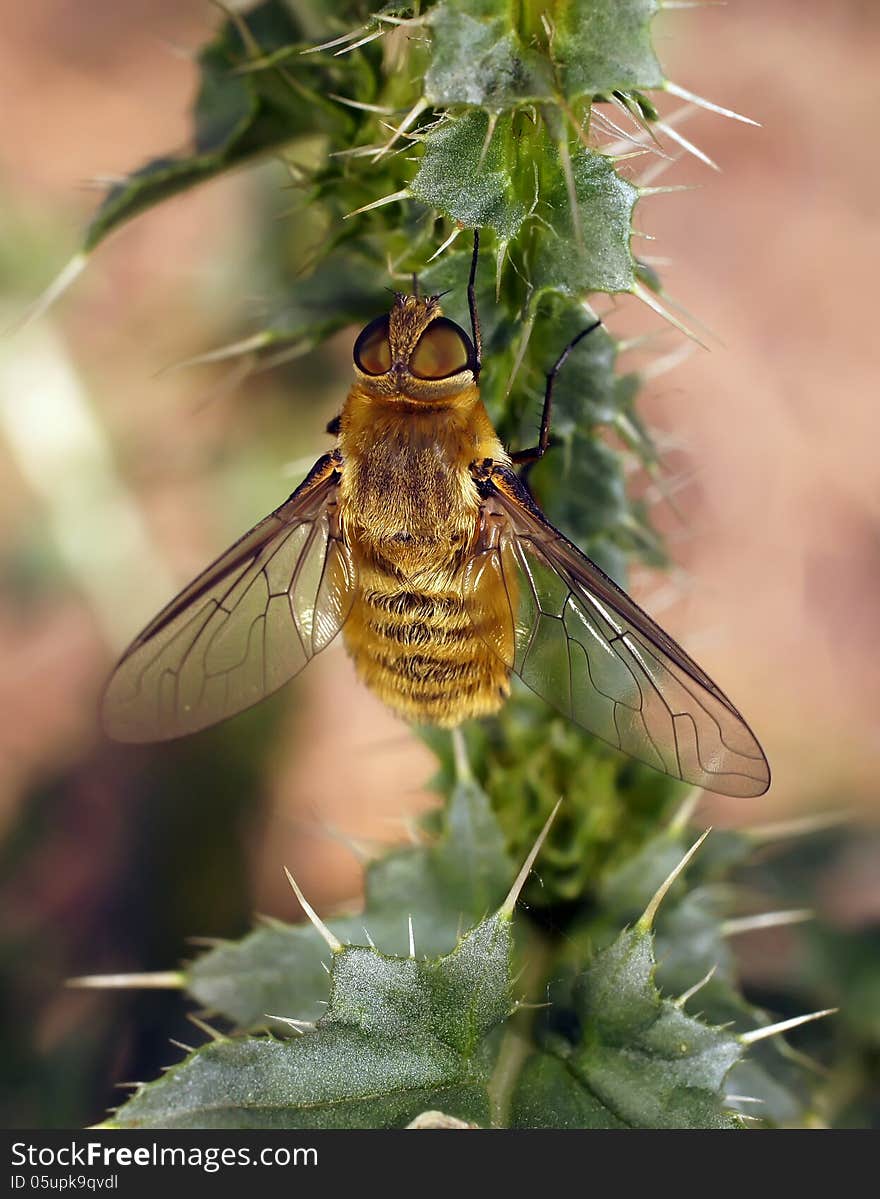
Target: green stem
517, 1043
530, 18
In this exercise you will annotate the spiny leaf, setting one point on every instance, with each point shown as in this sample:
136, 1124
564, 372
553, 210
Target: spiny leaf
604, 46
490, 54
630, 1057
239, 114
549, 1095
277, 969
480, 173
691, 946
587, 244
696, 964
467, 172
478, 58
673, 1068
458, 999
331, 1078
400, 1035
445, 888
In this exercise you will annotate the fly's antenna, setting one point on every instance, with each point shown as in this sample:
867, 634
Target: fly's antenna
472, 306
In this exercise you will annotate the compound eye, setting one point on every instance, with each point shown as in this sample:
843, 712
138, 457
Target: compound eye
443, 350
372, 351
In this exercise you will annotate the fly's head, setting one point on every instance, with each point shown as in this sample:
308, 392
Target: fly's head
415, 354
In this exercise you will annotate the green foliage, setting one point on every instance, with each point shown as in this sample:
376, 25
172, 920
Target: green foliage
403, 1034
525, 761
399, 1036
631, 1058
610, 1049
694, 951
442, 889
399, 131
242, 110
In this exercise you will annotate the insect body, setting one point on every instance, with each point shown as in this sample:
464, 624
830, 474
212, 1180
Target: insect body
410, 510
417, 539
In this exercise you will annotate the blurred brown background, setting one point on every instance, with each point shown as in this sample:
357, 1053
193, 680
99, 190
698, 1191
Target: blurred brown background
120, 482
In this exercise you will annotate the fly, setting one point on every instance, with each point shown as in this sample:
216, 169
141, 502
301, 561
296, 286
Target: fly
417, 539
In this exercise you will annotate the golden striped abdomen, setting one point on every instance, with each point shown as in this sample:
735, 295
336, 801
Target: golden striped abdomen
419, 652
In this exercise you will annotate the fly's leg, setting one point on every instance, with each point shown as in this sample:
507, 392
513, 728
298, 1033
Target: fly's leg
528, 457
472, 306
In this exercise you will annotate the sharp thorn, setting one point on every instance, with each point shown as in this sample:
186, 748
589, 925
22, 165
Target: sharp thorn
647, 298
765, 833
380, 108
747, 924
646, 921
370, 37
687, 145
683, 94
202, 1026
667, 362
337, 41
682, 816
232, 350
319, 925
450, 239
167, 980
698, 986
668, 189
59, 285
411, 117
400, 21
773, 1030
513, 895
403, 194
299, 1026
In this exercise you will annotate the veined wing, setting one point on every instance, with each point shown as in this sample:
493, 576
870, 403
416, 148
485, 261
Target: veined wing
244, 627
577, 640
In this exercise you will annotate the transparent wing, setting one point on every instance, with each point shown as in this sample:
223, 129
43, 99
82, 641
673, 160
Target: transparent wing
244, 627
577, 640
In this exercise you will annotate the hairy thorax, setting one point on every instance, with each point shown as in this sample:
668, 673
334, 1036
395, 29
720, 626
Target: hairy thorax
407, 497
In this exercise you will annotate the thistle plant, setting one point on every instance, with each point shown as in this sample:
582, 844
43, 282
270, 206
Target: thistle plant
611, 999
